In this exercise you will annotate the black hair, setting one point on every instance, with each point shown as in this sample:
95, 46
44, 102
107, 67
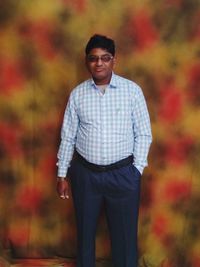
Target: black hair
100, 41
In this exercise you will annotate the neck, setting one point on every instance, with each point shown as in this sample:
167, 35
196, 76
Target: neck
106, 81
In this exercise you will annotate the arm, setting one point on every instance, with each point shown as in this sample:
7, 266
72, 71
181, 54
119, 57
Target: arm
66, 148
141, 130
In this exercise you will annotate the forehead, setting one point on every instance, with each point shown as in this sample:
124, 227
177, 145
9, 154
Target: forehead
98, 51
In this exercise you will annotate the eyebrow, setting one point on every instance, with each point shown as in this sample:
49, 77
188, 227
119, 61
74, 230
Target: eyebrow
100, 55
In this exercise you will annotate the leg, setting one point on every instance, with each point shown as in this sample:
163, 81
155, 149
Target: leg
122, 205
87, 204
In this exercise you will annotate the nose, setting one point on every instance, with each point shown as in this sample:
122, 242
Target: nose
99, 61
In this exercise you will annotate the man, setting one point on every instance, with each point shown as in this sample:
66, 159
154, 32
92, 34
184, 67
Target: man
106, 126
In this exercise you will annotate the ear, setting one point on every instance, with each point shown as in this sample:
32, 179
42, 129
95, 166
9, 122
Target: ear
114, 61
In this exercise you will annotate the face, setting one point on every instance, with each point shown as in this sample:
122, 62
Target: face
100, 64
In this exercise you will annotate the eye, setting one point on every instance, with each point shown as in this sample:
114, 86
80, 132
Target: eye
92, 58
104, 58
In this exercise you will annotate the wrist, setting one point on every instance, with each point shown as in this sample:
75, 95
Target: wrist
61, 179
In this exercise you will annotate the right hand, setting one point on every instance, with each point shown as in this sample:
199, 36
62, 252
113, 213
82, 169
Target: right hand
63, 188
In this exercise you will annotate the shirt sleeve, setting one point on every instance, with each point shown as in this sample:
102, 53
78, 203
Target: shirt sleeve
142, 131
68, 137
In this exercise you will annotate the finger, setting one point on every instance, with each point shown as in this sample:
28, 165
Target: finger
66, 195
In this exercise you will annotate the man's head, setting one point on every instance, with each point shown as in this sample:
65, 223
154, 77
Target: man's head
100, 41
100, 52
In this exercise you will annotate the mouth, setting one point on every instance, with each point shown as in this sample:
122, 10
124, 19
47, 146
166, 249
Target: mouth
99, 70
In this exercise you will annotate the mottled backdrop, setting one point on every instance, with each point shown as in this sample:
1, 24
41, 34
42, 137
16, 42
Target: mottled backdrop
41, 60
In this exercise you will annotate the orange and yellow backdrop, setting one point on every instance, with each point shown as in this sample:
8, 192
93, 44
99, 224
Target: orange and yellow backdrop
41, 59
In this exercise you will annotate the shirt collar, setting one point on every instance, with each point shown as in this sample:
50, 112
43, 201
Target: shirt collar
112, 84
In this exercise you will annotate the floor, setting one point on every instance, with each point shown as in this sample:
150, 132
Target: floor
38, 263
47, 263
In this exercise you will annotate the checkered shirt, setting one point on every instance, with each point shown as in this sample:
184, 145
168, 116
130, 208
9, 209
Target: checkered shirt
105, 128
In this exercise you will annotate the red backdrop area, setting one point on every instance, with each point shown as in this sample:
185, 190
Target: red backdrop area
41, 60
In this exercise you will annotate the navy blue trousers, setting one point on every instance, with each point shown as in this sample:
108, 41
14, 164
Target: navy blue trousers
119, 191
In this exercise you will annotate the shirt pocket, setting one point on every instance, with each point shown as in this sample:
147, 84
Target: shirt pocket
120, 119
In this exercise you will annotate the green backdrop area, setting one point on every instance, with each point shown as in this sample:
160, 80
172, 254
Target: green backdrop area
41, 59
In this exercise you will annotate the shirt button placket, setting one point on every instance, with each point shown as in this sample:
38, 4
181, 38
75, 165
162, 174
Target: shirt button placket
103, 128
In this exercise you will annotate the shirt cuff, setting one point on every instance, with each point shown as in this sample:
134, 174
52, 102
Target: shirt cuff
62, 168
62, 172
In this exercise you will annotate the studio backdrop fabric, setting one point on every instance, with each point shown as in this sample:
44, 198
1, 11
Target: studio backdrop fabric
41, 60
